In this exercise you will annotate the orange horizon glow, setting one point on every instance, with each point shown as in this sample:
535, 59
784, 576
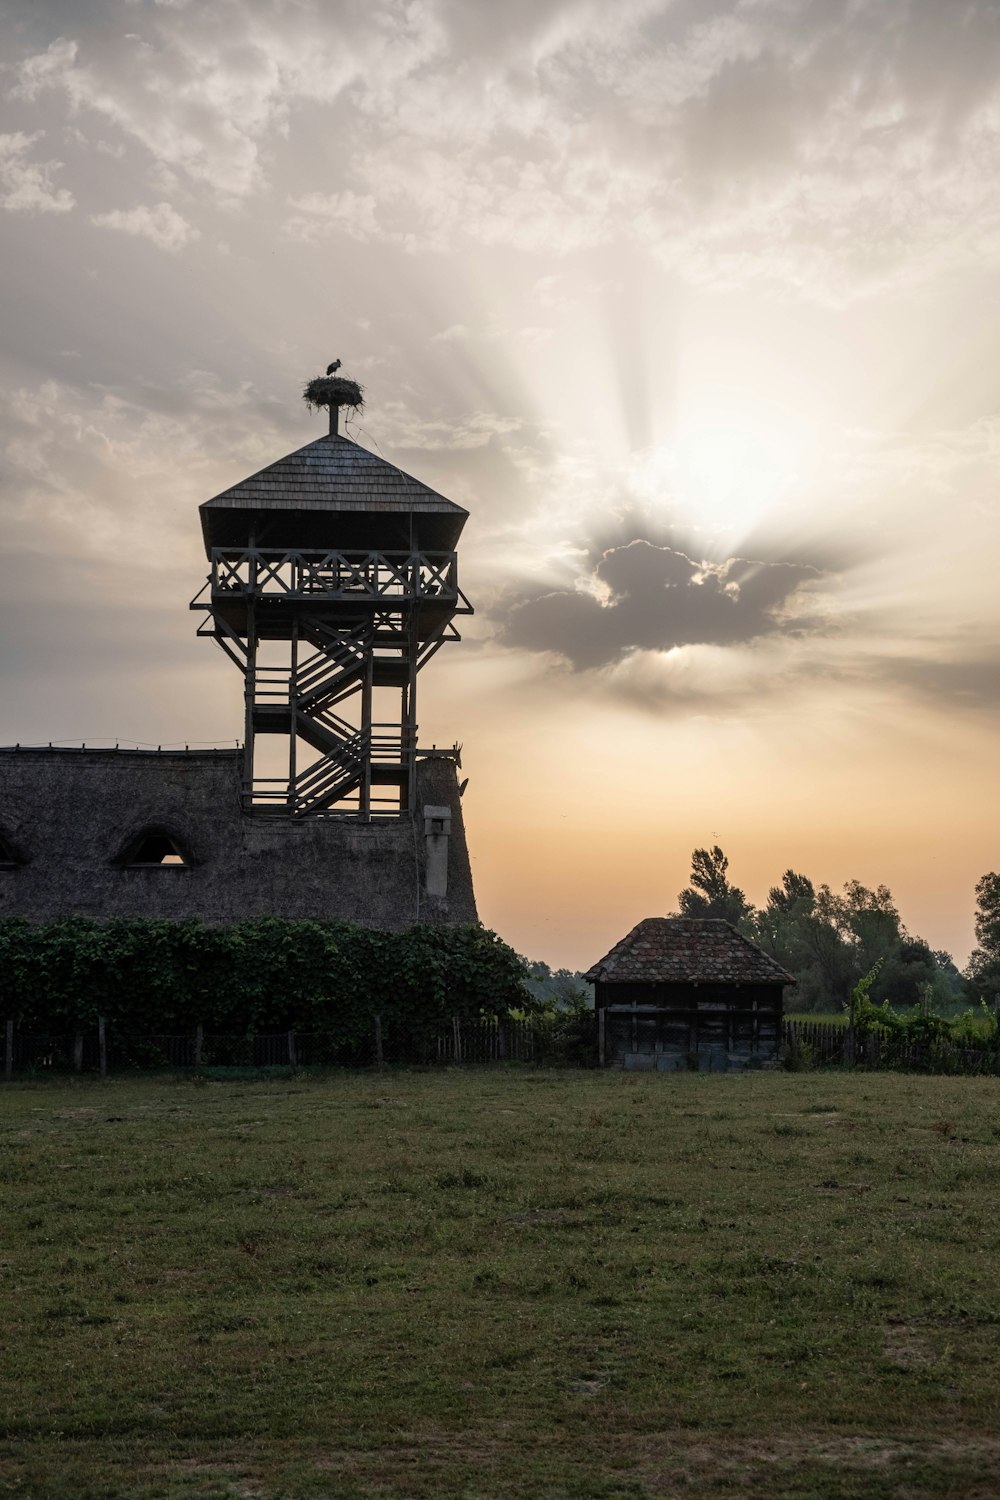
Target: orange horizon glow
695, 313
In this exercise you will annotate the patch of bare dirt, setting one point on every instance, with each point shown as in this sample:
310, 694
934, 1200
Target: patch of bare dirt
538, 1216
665, 1464
907, 1349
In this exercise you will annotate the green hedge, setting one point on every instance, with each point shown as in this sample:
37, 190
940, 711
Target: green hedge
165, 978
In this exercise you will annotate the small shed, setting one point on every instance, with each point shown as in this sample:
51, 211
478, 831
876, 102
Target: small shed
688, 992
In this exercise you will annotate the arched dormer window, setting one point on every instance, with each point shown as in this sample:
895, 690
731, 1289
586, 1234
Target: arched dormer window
11, 853
155, 848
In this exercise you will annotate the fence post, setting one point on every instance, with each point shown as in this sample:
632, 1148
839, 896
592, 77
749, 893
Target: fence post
102, 1046
849, 1047
78, 1052
379, 1055
457, 1033
8, 1057
293, 1056
199, 1046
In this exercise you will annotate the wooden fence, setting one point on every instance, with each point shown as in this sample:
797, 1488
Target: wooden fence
825, 1044
557, 1040
108, 1050
819, 1043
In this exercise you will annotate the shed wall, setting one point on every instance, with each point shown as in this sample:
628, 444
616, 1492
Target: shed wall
713, 1027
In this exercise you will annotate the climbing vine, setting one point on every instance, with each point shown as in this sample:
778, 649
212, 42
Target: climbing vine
150, 976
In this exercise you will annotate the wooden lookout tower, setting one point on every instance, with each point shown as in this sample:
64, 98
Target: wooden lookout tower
334, 580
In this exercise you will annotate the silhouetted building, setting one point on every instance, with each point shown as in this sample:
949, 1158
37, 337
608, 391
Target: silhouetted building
333, 581
680, 992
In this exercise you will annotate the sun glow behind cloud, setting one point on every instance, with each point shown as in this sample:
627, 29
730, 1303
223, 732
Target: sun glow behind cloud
694, 307
729, 470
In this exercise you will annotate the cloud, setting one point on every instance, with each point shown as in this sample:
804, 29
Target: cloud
644, 597
26, 186
429, 196
95, 471
160, 224
875, 578
827, 149
319, 213
770, 141
402, 429
960, 681
454, 333
45, 69
210, 91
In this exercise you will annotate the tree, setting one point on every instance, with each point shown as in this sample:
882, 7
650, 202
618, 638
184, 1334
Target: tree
910, 976
559, 989
830, 940
795, 894
800, 929
983, 972
710, 893
988, 914
828, 968
871, 923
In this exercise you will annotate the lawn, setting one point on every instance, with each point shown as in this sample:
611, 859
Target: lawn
501, 1283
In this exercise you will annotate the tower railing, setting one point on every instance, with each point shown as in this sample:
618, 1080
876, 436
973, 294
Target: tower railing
353, 576
321, 636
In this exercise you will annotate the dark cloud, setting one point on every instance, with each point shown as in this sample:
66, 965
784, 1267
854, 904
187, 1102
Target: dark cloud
961, 682
642, 596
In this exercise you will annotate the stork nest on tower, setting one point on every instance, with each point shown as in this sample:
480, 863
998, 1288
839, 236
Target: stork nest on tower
334, 390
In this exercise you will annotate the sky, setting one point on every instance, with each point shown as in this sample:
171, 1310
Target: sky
693, 304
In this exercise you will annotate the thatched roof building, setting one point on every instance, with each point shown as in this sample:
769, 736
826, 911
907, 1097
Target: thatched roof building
333, 581
688, 992
146, 833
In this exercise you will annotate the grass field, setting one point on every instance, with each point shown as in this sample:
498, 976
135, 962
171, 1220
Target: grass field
502, 1283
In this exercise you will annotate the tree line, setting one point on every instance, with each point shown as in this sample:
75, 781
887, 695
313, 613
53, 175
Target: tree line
831, 939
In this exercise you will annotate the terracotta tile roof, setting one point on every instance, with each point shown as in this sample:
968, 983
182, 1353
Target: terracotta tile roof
687, 950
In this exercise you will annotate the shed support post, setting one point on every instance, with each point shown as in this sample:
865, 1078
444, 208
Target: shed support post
601, 1054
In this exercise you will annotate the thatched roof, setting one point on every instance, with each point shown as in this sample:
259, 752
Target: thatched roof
65, 814
686, 950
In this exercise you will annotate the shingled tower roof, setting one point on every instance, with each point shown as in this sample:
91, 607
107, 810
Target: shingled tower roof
687, 950
322, 491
